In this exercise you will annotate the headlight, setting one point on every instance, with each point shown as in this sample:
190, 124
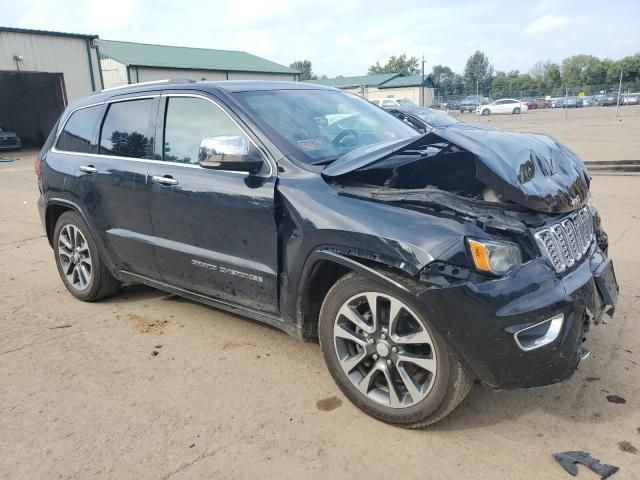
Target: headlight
494, 257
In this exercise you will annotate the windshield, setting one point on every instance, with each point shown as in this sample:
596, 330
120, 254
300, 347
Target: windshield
318, 126
434, 118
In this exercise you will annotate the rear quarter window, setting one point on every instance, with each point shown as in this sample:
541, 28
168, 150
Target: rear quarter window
77, 134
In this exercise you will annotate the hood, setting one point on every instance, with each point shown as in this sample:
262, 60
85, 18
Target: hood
7, 134
532, 170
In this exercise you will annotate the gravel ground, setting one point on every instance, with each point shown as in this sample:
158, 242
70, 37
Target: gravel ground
146, 385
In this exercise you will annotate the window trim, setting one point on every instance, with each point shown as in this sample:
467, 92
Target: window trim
266, 158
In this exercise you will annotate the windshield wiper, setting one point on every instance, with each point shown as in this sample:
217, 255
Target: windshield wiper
325, 161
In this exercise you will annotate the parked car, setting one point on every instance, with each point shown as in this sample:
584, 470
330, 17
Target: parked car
568, 102
470, 103
391, 102
423, 119
609, 99
531, 103
421, 262
630, 98
587, 101
541, 103
503, 106
9, 140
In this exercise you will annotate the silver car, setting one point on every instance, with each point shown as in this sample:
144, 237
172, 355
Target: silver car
9, 140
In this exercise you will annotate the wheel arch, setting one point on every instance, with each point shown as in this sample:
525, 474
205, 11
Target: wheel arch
323, 268
54, 209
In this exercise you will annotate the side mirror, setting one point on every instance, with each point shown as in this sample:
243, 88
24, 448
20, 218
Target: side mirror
229, 152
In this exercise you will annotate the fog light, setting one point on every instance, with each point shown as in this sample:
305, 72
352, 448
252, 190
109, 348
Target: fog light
540, 334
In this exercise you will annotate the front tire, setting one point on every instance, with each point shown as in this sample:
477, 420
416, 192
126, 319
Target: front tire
386, 357
486, 112
78, 260
516, 111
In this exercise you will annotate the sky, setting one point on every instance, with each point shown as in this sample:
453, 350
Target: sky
343, 37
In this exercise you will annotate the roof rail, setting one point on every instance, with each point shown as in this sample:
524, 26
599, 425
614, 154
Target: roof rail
153, 82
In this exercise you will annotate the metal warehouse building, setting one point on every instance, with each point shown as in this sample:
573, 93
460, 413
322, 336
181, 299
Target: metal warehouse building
40, 72
384, 85
126, 62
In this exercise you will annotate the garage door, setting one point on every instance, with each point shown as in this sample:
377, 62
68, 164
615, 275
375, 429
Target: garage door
31, 103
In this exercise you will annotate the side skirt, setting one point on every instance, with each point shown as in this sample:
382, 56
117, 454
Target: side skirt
273, 320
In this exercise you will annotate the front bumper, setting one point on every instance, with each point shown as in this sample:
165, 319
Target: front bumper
479, 320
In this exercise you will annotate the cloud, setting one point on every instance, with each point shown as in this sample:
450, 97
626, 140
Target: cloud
546, 23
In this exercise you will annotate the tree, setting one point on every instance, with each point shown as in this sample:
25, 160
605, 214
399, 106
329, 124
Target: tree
446, 81
304, 67
478, 69
580, 72
401, 64
551, 79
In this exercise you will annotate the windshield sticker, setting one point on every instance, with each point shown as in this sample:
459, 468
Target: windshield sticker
309, 145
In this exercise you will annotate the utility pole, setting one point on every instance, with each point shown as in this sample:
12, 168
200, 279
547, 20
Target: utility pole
422, 84
566, 99
477, 95
619, 92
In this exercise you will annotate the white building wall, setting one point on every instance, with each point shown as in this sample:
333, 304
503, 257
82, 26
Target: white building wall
52, 54
147, 74
288, 77
114, 74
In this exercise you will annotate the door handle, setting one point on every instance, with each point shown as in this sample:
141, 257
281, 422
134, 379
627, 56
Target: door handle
88, 169
166, 180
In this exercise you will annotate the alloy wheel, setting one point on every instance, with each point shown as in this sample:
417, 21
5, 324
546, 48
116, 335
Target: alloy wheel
75, 257
385, 350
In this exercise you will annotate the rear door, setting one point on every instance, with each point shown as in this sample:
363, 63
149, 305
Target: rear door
112, 183
215, 230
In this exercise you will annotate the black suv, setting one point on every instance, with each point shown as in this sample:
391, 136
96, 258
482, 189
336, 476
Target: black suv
421, 262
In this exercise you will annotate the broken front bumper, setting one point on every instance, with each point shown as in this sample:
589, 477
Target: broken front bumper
480, 320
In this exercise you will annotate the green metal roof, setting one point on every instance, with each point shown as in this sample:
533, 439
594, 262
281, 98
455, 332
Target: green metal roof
410, 81
162, 56
353, 82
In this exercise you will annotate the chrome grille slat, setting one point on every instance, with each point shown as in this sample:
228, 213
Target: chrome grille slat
565, 242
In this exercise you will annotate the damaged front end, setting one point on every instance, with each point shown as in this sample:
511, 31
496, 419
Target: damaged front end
531, 283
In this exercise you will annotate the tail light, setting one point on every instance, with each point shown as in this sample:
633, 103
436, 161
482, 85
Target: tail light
36, 165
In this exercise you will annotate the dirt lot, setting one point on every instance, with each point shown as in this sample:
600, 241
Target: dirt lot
595, 133
83, 392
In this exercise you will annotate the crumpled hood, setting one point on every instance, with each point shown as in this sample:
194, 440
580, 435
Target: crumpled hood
532, 170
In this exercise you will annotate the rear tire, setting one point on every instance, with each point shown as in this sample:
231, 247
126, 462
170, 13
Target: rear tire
78, 260
395, 367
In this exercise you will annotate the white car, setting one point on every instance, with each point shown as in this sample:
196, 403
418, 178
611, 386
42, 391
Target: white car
503, 106
392, 102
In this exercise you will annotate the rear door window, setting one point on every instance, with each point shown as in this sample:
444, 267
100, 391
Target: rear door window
125, 130
77, 134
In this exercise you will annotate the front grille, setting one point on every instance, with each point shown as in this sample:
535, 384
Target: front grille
8, 141
564, 243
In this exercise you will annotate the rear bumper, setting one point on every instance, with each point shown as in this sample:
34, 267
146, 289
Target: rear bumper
479, 320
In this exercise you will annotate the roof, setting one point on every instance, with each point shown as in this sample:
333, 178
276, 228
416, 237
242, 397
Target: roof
163, 56
46, 32
347, 82
409, 81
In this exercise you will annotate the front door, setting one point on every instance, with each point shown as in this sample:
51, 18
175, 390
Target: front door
214, 230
